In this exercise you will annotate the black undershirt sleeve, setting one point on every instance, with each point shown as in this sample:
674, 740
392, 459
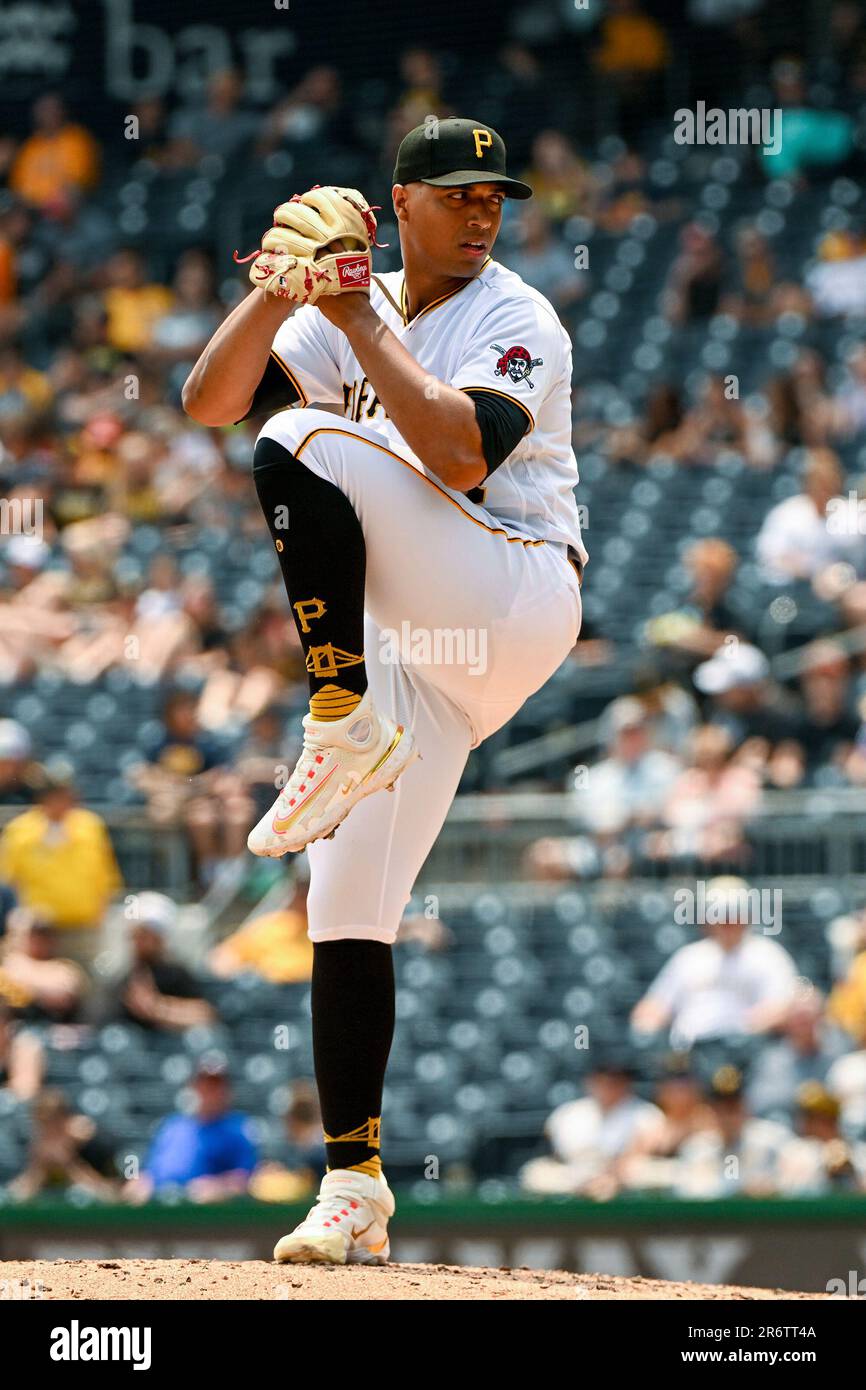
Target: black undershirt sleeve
502, 424
274, 392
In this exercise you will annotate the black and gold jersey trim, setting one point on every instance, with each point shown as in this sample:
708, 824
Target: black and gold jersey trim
436, 302
492, 391
303, 398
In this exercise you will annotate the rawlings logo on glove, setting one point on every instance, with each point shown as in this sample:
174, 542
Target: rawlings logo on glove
321, 243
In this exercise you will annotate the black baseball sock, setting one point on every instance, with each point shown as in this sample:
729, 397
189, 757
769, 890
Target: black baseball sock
321, 549
353, 1025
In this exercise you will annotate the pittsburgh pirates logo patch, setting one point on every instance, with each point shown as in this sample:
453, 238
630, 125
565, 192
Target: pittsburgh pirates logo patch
516, 362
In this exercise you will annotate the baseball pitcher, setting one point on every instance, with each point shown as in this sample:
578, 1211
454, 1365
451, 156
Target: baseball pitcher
417, 478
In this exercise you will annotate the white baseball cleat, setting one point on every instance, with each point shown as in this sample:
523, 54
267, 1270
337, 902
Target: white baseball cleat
341, 762
348, 1224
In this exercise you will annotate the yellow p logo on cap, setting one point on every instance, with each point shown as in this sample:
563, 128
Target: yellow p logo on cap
483, 140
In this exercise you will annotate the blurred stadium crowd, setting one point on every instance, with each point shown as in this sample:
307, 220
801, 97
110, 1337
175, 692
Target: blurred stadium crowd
151, 676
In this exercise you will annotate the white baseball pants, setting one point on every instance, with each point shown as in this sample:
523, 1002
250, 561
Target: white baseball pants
464, 621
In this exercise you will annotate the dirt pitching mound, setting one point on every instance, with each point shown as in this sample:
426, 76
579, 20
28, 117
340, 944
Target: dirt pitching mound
197, 1280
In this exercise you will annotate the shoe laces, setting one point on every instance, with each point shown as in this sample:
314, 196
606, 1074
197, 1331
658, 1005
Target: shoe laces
335, 1209
307, 770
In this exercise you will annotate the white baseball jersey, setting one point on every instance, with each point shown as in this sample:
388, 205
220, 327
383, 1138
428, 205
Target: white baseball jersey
494, 333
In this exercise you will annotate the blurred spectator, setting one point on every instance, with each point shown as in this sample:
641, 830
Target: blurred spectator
185, 780
662, 421
736, 1155
183, 331
820, 1160
588, 1137
657, 431
671, 713
846, 1079
22, 1057
706, 619
209, 1154
618, 800
718, 424
800, 409
805, 534
88, 235
813, 139
544, 262
135, 494
216, 126
134, 305
161, 598
312, 112
849, 403
561, 182
65, 1151
629, 786
16, 769
846, 939
710, 802
156, 992
626, 194
846, 34
805, 1051
274, 946
294, 1167
735, 981
694, 285
847, 1004
759, 715
651, 1159
830, 722
420, 100
92, 548
758, 295
59, 859
182, 749
631, 56
36, 980
837, 283
21, 386
58, 155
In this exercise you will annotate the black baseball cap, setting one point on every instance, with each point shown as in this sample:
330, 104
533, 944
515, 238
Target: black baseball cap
452, 152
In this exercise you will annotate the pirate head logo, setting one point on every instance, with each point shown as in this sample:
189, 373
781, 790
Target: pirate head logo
516, 363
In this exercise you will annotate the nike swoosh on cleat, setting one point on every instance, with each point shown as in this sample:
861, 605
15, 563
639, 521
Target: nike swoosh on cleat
398, 735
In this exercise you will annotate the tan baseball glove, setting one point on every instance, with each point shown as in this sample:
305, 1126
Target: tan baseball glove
321, 243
